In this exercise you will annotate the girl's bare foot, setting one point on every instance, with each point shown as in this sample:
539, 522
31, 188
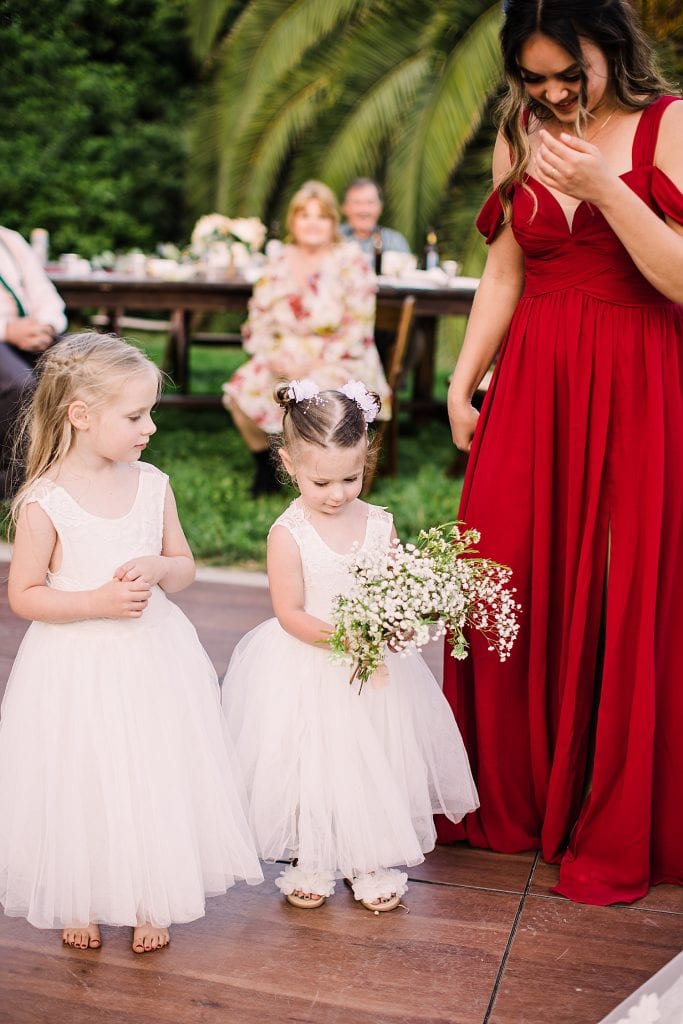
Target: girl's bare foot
147, 938
382, 903
305, 900
82, 938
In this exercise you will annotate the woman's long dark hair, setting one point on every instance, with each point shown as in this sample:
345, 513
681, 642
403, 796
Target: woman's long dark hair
612, 25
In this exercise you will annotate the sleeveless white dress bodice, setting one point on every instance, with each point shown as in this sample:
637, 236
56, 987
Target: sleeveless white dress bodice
325, 571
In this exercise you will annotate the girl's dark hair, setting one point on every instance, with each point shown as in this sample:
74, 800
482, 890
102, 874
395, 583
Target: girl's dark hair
328, 419
612, 25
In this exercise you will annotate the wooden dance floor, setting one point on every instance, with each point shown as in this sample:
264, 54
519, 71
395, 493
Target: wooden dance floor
483, 940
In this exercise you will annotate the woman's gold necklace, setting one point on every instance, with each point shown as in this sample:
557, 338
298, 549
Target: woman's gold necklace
601, 126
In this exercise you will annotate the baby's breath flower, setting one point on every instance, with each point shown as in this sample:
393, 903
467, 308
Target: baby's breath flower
415, 593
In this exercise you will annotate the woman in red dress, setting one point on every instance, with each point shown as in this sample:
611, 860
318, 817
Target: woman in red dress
575, 477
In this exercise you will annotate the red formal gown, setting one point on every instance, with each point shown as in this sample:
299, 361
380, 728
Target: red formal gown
576, 481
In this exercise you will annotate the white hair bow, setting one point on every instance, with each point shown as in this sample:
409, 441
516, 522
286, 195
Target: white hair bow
301, 390
357, 391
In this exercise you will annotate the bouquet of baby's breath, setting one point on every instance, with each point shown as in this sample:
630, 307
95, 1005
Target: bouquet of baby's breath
418, 592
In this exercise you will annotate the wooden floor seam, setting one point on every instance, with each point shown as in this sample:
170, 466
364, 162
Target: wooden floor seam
620, 906
508, 945
467, 885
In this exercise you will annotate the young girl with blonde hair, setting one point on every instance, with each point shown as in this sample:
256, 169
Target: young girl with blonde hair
117, 799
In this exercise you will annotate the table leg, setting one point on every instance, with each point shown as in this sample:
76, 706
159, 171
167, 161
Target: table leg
423, 366
179, 349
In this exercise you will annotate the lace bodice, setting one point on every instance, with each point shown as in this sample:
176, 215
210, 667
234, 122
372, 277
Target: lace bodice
326, 572
93, 546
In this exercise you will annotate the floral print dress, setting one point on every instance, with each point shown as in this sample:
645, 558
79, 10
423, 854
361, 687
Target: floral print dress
325, 326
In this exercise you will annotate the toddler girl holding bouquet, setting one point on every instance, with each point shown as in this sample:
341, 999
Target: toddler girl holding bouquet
341, 783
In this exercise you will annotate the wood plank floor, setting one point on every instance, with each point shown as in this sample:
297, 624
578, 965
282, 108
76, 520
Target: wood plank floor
483, 941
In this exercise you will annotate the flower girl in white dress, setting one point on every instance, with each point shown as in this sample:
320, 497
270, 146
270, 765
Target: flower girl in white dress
118, 802
341, 783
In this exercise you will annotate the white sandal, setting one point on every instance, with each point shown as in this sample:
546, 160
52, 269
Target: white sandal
380, 891
304, 889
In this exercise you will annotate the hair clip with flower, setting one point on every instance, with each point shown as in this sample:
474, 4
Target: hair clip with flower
357, 391
302, 390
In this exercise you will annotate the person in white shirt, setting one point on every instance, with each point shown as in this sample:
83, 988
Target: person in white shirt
31, 319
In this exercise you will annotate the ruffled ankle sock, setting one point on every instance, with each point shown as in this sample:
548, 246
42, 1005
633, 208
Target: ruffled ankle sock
298, 879
380, 884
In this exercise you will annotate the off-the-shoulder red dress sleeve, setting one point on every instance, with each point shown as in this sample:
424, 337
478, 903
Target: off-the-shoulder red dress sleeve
667, 195
490, 217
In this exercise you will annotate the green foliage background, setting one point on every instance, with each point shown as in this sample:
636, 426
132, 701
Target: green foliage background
394, 89
119, 116
96, 95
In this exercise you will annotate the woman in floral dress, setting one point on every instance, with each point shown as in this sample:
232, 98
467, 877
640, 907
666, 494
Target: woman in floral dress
311, 315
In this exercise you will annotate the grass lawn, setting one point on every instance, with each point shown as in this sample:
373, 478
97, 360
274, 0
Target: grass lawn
210, 470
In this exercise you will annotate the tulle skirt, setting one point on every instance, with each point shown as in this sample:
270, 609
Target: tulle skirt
346, 782
119, 802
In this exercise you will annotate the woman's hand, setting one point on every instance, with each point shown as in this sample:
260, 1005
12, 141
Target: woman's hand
574, 167
463, 419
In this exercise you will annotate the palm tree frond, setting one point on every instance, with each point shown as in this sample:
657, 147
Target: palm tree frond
288, 126
205, 19
356, 148
340, 88
424, 159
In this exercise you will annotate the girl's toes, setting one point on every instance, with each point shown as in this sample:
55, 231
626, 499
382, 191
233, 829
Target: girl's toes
82, 938
146, 939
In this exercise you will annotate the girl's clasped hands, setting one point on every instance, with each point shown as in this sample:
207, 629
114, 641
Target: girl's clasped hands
130, 589
124, 596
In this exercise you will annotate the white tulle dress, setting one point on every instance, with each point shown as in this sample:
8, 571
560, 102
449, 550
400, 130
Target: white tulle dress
118, 797
347, 783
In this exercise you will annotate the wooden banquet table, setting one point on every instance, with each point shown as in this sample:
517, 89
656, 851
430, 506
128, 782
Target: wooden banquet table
118, 294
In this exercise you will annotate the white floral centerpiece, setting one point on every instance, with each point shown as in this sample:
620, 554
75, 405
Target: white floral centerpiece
249, 232
420, 592
227, 244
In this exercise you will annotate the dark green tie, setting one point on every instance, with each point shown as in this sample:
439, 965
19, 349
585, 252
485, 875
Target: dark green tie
20, 308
